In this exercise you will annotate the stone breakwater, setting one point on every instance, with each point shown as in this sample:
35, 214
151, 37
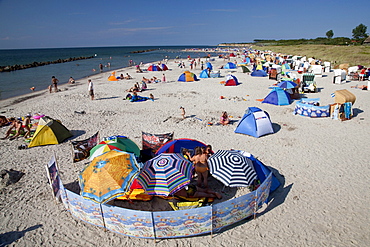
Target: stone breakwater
142, 51
36, 64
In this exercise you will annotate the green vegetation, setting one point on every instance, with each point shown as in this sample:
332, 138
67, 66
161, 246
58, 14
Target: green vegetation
359, 32
330, 34
317, 41
354, 55
336, 50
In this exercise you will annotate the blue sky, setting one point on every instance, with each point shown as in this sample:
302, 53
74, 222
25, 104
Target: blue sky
90, 23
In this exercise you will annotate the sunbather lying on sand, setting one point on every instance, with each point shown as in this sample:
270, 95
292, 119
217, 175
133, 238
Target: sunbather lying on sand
197, 192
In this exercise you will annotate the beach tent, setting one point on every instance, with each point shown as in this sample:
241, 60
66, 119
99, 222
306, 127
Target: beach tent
164, 67
245, 69
204, 74
230, 65
255, 122
154, 67
187, 76
277, 96
231, 80
259, 73
112, 77
176, 146
48, 132
209, 65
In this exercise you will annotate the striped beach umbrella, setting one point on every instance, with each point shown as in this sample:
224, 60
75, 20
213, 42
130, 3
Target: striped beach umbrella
165, 174
232, 168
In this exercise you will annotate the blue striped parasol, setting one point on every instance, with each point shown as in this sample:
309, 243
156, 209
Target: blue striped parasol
165, 174
232, 168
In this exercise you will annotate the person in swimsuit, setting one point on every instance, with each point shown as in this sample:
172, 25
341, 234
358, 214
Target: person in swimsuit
54, 83
201, 166
224, 119
26, 126
209, 150
15, 124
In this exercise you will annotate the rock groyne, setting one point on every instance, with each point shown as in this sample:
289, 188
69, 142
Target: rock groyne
37, 64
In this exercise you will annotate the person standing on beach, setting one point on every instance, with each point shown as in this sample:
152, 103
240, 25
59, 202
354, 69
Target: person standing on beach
91, 89
164, 78
182, 109
54, 83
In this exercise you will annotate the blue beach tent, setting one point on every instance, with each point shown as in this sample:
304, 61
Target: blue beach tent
209, 65
176, 146
204, 74
277, 96
255, 122
259, 73
230, 65
262, 171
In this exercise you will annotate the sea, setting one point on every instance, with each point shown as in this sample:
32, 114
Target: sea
18, 83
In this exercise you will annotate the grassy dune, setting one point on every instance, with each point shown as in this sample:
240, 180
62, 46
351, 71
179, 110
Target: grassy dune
354, 55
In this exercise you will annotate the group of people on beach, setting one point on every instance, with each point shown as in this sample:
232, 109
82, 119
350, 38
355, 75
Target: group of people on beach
18, 127
125, 77
199, 160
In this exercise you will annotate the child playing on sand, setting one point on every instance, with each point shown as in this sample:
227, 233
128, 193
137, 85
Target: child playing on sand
224, 119
182, 112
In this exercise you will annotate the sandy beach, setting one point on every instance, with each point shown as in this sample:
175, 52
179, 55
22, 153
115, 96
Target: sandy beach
321, 163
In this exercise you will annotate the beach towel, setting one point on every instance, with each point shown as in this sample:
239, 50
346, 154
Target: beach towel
348, 110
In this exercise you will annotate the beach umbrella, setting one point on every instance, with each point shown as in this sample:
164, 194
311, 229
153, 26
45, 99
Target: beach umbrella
230, 65
154, 67
108, 176
165, 174
287, 84
130, 146
104, 147
164, 67
232, 168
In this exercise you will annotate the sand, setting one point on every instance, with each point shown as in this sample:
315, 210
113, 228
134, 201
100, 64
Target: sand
322, 163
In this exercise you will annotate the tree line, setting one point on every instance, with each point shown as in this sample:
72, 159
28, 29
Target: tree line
359, 35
